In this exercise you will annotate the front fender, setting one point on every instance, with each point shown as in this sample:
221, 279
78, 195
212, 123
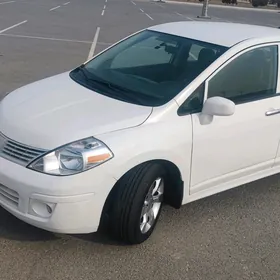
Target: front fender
170, 141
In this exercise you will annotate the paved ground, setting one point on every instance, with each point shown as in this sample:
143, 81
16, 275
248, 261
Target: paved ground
233, 235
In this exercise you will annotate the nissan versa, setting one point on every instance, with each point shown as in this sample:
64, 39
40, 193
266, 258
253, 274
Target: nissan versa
172, 113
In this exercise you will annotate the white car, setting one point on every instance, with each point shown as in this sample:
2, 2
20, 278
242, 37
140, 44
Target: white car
172, 113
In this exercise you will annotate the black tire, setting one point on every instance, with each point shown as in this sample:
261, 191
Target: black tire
127, 206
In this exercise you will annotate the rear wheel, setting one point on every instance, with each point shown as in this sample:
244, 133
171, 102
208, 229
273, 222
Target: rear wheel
138, 202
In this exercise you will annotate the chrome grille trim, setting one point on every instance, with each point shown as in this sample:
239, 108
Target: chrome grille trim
17, 152
8, 195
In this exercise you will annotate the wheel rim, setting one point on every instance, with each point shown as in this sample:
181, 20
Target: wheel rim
151, 205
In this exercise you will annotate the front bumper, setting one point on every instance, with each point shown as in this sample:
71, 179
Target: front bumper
71, 204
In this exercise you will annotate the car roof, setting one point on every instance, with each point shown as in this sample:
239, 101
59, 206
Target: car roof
219, 33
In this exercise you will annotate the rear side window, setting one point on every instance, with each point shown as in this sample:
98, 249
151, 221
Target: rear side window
250, 76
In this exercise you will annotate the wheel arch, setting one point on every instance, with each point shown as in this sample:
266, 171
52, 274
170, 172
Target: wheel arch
173, 194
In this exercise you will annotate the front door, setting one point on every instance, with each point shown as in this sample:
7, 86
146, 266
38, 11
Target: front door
240, 145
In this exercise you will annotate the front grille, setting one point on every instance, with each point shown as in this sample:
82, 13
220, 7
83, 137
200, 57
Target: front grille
18, 153
9, 196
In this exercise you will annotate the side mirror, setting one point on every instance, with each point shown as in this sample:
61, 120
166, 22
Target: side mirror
218, 106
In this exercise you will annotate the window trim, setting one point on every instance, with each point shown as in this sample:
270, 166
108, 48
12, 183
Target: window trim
238, 55
206, 81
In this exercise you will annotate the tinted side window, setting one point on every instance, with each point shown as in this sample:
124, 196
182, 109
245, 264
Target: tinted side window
251, 76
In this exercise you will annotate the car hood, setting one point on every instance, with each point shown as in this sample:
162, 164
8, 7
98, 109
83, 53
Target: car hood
55, 111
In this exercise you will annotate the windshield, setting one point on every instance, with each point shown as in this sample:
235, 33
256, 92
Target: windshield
149, 68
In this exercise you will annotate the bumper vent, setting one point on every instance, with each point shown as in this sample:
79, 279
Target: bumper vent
9, 196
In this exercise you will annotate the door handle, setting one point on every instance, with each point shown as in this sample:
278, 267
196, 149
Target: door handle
272, 112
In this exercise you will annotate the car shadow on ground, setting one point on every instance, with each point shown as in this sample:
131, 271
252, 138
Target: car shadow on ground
13, 229
99, 238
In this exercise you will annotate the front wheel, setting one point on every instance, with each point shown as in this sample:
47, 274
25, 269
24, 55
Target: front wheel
138, 202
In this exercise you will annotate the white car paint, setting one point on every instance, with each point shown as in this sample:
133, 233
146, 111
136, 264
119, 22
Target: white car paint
44, 108
219, 33
211, 157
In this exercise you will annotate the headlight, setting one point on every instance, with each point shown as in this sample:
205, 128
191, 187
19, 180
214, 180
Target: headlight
73, 158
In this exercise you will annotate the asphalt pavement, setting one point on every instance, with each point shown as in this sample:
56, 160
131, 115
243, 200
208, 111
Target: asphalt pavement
232, 235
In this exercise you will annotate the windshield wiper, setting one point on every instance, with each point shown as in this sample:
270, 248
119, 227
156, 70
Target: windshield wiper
83, 71
122, 93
